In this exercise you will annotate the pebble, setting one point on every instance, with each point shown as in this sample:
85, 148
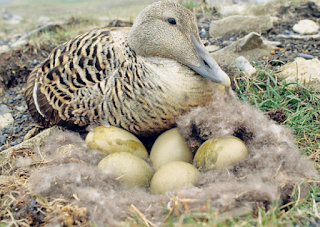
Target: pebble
6, 119
2, 140
244, 66
306, 27
4, 109
305, 56
3, 148
14, 143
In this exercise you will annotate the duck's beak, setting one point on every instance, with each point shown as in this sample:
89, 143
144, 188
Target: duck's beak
208, 67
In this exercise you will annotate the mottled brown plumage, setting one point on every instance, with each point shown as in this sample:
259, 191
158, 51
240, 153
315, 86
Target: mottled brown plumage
140, 79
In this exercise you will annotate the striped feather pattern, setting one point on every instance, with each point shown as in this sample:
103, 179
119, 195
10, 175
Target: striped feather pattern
96, 78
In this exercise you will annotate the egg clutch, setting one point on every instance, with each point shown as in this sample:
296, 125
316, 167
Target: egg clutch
171, 164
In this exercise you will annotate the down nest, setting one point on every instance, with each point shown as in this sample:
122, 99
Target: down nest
62, 184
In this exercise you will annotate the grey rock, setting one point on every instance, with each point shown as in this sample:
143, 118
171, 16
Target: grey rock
4, 109
305, 56
2, 140
238, 23
251, 47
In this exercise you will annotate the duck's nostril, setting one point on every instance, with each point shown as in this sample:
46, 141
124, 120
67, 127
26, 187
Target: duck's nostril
206, 64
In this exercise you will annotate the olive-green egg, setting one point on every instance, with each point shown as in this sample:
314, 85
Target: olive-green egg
113, 139
173, 175
130, 169
219, 152
169, 147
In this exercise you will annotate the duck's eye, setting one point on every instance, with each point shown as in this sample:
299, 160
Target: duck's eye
172, 21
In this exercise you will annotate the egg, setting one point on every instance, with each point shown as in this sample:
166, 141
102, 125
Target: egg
219, 152
130, 169
169, 147
173, 175
113, 139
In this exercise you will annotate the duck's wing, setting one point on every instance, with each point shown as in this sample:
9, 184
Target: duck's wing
68, 86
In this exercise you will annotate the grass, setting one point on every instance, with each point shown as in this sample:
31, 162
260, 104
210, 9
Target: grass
302, 110
266, 92
300, 105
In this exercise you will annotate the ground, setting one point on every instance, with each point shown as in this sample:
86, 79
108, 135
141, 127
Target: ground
16, 65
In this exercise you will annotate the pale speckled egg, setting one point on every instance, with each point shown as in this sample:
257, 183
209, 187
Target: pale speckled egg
129, 169
173, 175
219, 152
113, 139
169, 147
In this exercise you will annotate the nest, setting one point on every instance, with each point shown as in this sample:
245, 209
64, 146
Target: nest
57, 183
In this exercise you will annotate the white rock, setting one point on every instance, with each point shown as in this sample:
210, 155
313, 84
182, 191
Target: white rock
21, 108
305, 72
272, 43
238, 24
229, 10
306, 27
43, 20
6, 120
244, 66
4, 49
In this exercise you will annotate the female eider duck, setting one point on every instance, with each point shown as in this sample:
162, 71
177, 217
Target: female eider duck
140, 79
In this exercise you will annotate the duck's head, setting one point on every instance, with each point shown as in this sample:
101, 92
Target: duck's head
166, 29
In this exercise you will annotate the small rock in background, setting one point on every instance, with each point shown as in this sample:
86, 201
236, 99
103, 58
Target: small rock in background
21, 108
212, 48
251, 47
44, 20
2, 140
4, 110
244, 66
306, 27
305, 72
238, 24
4, 49
305, 56
272, 43
229, 10
6, 120
10, 18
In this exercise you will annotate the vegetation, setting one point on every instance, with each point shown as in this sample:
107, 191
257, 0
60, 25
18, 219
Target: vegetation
301, 108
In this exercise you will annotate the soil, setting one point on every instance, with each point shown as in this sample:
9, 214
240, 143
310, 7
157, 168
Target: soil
15, 66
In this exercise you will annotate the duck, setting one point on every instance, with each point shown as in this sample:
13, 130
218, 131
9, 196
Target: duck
140, 79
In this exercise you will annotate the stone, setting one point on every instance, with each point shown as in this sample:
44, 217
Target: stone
21, 108
4, 109
306, 27
303, 71
229, 10
238, 24
212, 48
34, 141
2, 140
272, 43
4, 49
6, 120
243, 65
251, 47
44, 20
